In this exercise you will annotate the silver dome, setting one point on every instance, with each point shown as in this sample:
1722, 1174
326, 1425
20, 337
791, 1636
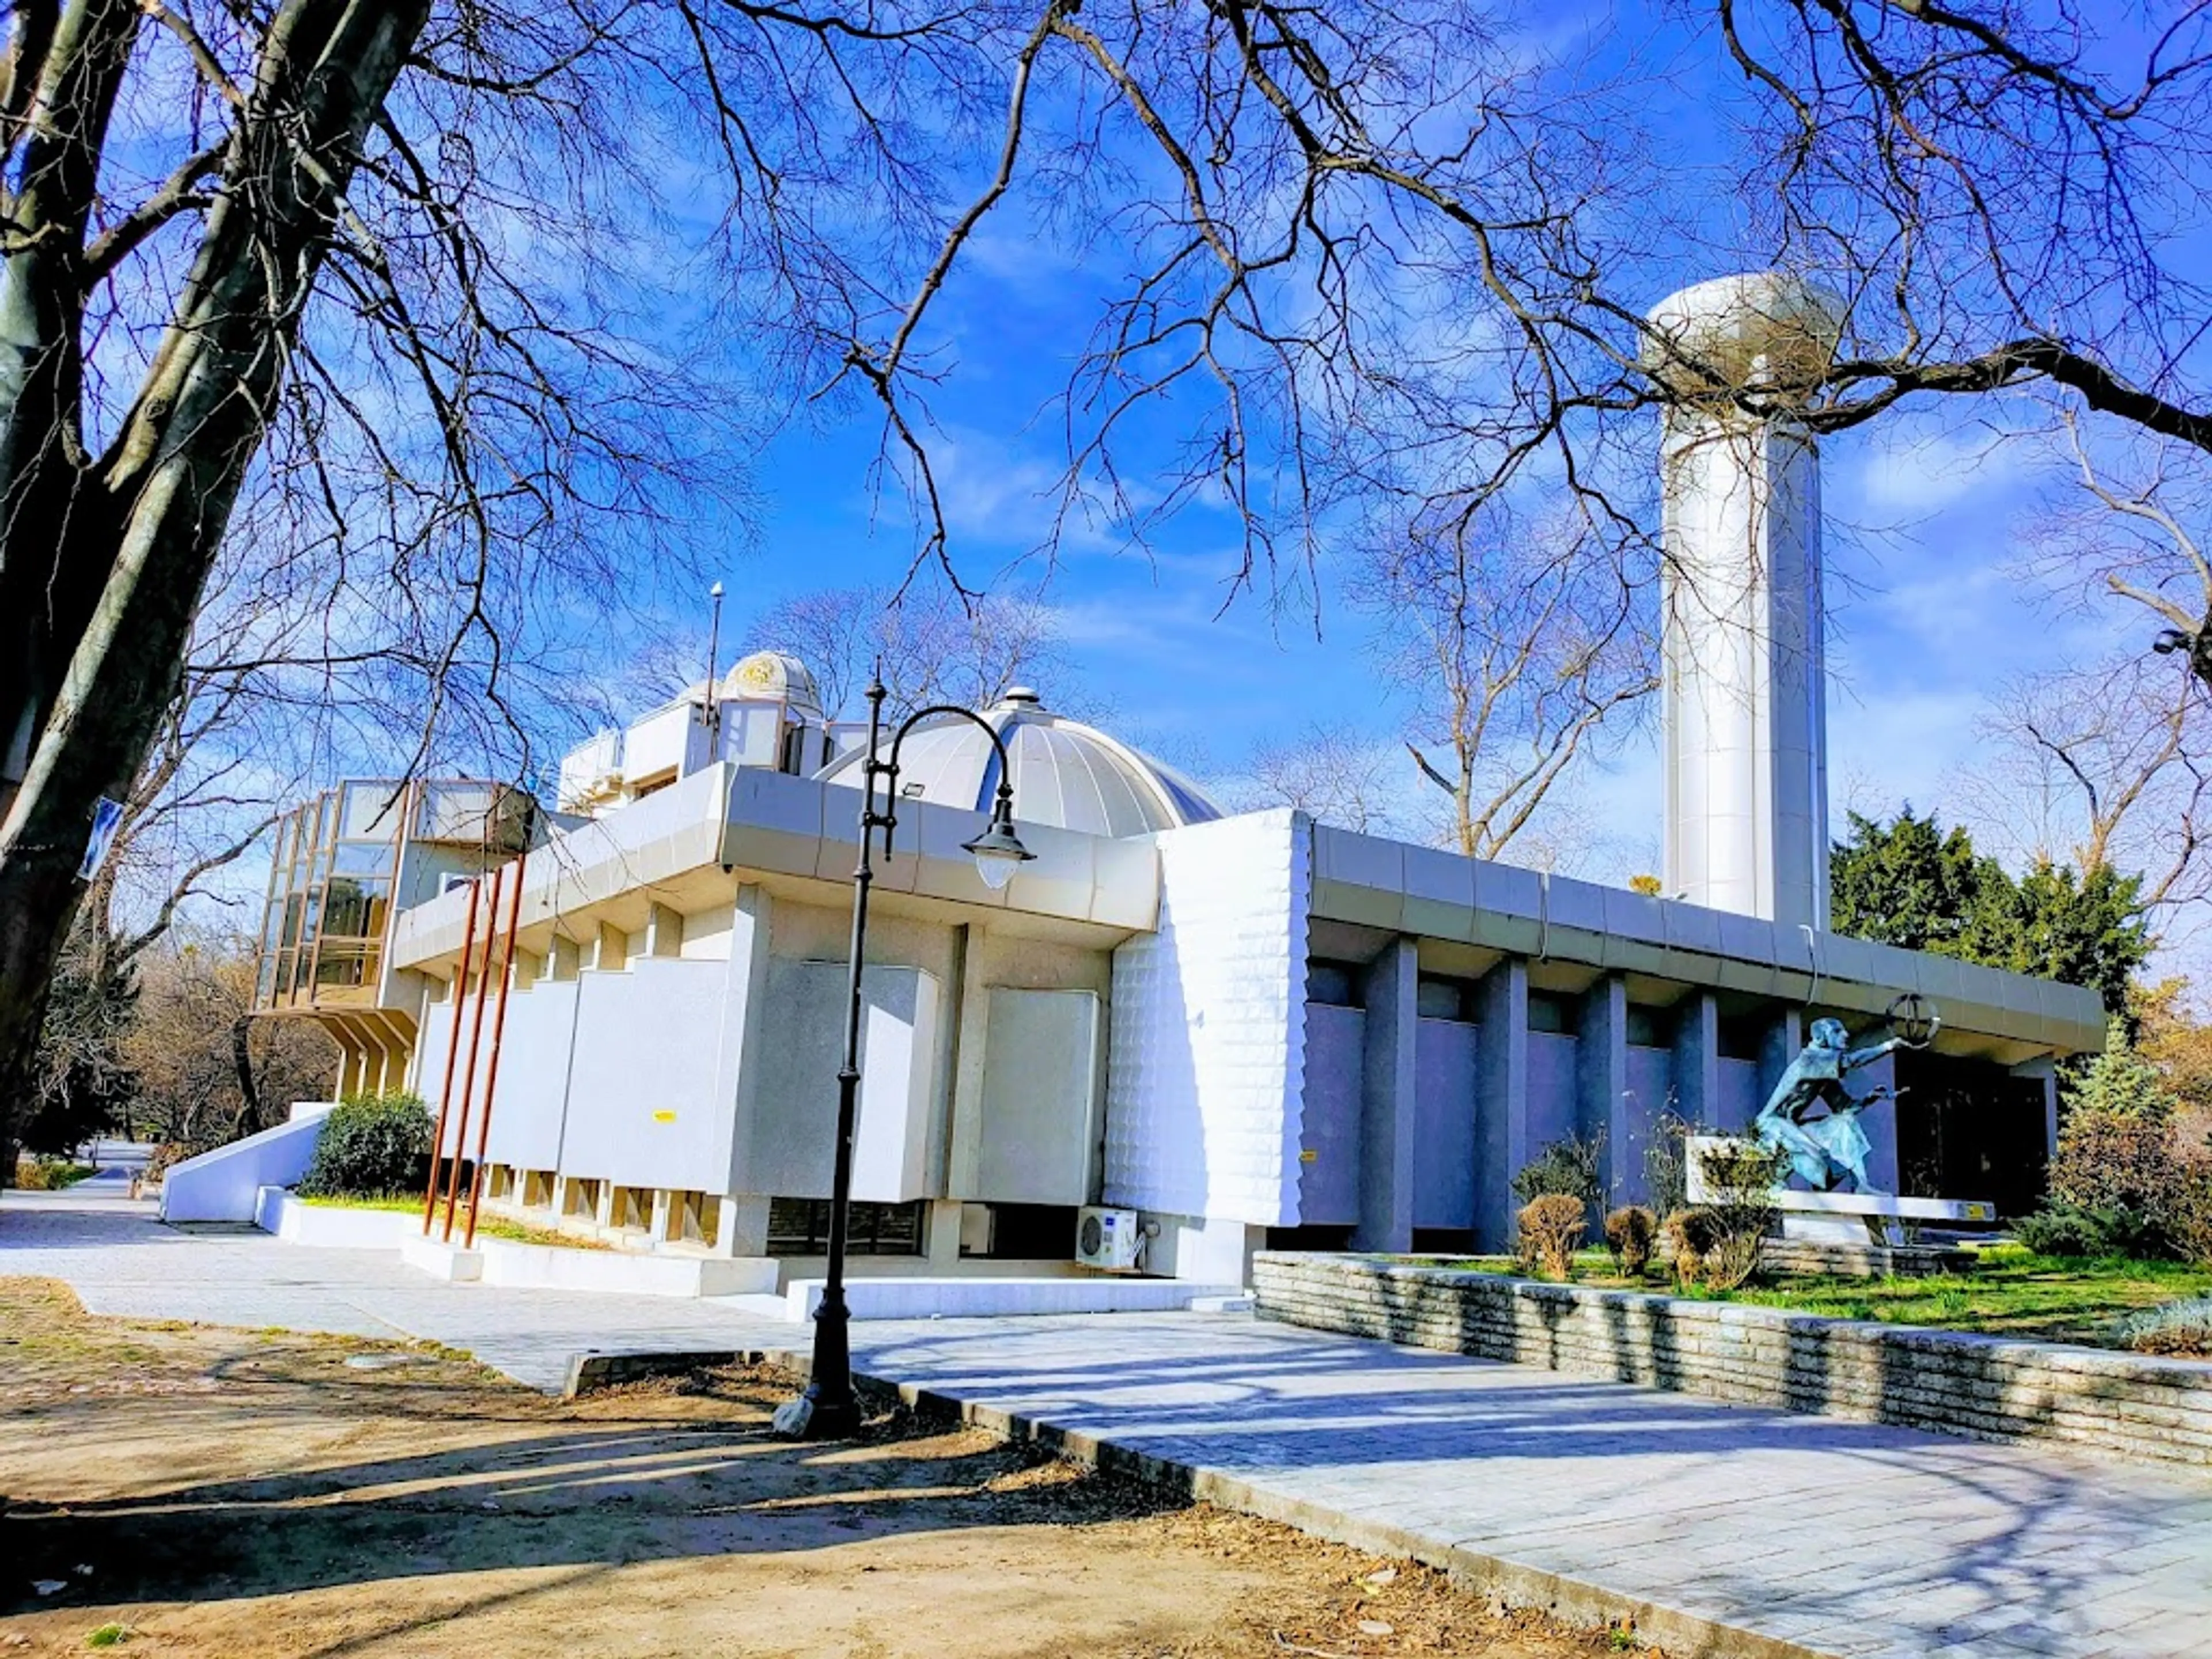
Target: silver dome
1065, 774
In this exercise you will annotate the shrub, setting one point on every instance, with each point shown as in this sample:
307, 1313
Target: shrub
2107, 1161
166, 1157
371, 1146
1689, 1232
1666, 1162
2192, 1228
1573, 1166
2183, 1327
35, 1174
2062, 1229
1740, 1176
1552, 1226
2120, 1171
1630, 1232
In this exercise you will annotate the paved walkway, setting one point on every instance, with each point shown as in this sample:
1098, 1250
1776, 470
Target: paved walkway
1738, 1530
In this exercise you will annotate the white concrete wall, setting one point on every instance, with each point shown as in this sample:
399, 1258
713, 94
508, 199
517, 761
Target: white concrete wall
790, 1128
225, 1184
1034, 1145
531, 1107
1208, 1055
641, 1105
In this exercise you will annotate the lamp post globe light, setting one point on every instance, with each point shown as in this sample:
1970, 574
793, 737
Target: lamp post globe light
828, 1411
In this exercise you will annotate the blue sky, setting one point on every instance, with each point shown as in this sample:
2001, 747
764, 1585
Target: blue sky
1925, 510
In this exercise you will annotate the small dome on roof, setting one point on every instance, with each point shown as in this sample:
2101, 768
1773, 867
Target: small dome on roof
1065, 774
768, 676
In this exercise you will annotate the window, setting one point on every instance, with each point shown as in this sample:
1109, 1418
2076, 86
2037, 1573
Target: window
800, 1226
1334, 983
1560, 1016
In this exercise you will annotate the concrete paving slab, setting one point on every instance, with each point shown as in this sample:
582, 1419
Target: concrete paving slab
1725, 1529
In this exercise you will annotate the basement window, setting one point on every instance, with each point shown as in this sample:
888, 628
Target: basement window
800, 1226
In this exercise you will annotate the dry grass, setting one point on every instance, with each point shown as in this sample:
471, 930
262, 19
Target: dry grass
264, 1495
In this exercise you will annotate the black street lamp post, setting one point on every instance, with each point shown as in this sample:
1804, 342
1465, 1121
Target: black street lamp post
827, 1411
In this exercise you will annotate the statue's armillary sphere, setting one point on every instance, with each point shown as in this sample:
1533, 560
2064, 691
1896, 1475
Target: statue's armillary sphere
1913, 1020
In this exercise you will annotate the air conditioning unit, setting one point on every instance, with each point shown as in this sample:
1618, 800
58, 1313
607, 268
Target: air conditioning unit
1107, 1238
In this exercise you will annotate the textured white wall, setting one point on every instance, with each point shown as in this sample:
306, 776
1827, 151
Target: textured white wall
1207, 1059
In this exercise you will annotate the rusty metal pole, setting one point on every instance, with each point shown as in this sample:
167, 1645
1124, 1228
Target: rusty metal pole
469, 1068
452, 1050
498, 1030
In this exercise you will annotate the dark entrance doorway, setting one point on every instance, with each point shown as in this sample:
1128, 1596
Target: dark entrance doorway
1968, 1129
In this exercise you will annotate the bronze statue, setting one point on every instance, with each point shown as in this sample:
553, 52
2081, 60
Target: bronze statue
1813, 1116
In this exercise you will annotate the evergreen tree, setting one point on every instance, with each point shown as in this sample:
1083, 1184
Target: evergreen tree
1904, 883
1910, 883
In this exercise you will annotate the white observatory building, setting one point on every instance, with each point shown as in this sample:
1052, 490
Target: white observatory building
1244, 1030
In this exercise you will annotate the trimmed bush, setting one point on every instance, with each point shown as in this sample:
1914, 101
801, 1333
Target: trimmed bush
1689, 1232
371, 1146
2178, 1327
1630, 1233
1552, 1226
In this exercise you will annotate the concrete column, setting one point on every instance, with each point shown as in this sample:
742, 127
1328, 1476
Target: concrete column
1785, 1037
1386, 1145
663, 931
1880, 1123
2045, 1069
1501, 1100
1602, 1105
1697, 1059
610, 949
743, 1230
566, 959
940, 1235
744, 1006
1744, 636
971, 1024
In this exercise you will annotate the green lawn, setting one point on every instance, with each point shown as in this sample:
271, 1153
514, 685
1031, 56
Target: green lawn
2010, 1292
488, 1226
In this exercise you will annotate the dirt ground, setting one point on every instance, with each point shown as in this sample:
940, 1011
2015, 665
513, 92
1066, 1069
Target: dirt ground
186, 1490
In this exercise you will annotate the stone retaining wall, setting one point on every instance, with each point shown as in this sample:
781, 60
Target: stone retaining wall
1950, 1382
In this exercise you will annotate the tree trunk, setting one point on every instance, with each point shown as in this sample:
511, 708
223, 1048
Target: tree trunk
241, 1057
145, 520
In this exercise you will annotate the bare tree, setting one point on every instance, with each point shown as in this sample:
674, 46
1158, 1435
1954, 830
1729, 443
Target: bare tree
206, 1070
934, 645
1336, 772
372, 272
1518, 643
2104, 767
1989, 185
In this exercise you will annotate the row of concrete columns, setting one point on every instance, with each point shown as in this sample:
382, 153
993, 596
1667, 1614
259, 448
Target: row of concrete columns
1511, 1129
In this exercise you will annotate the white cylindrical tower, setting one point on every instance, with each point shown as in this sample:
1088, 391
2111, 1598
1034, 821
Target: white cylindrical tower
1743, 646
